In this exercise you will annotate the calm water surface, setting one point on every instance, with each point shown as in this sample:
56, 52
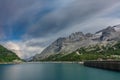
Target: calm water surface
52, 71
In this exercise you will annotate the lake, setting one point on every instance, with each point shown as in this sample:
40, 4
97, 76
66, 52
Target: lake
54, 71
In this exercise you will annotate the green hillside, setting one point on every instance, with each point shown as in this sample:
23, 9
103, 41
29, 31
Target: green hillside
7, 55
97, 52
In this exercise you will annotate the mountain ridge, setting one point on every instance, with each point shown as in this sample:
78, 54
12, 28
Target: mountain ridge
77, 40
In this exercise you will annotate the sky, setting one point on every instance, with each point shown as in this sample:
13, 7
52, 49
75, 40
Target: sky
28, 26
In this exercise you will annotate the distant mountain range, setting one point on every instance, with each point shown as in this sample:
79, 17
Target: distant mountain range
7, 55
67, 45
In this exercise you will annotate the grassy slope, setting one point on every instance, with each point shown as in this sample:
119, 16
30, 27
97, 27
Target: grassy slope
7, 55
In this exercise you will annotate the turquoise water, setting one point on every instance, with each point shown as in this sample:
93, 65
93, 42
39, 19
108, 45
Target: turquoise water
52, 71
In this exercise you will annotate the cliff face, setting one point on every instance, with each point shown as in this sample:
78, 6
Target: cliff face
77, 40
7, 55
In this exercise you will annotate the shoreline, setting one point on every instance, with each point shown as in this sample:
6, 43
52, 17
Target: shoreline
9, 63
44, 62
57, 62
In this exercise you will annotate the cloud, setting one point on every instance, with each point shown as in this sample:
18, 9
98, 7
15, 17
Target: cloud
94, 25
21, 13
73, 13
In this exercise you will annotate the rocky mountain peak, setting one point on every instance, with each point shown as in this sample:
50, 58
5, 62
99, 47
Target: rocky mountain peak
106, 33
89, 35
77, 36
117, 25
109, 29
117, 28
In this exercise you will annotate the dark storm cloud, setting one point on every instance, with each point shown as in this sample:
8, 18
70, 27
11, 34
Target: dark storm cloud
8, 10
17, 15
46, 17
75, 12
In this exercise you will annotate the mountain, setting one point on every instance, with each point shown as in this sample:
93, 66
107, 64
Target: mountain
77, 40
7, 55
110, 33
96, 52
